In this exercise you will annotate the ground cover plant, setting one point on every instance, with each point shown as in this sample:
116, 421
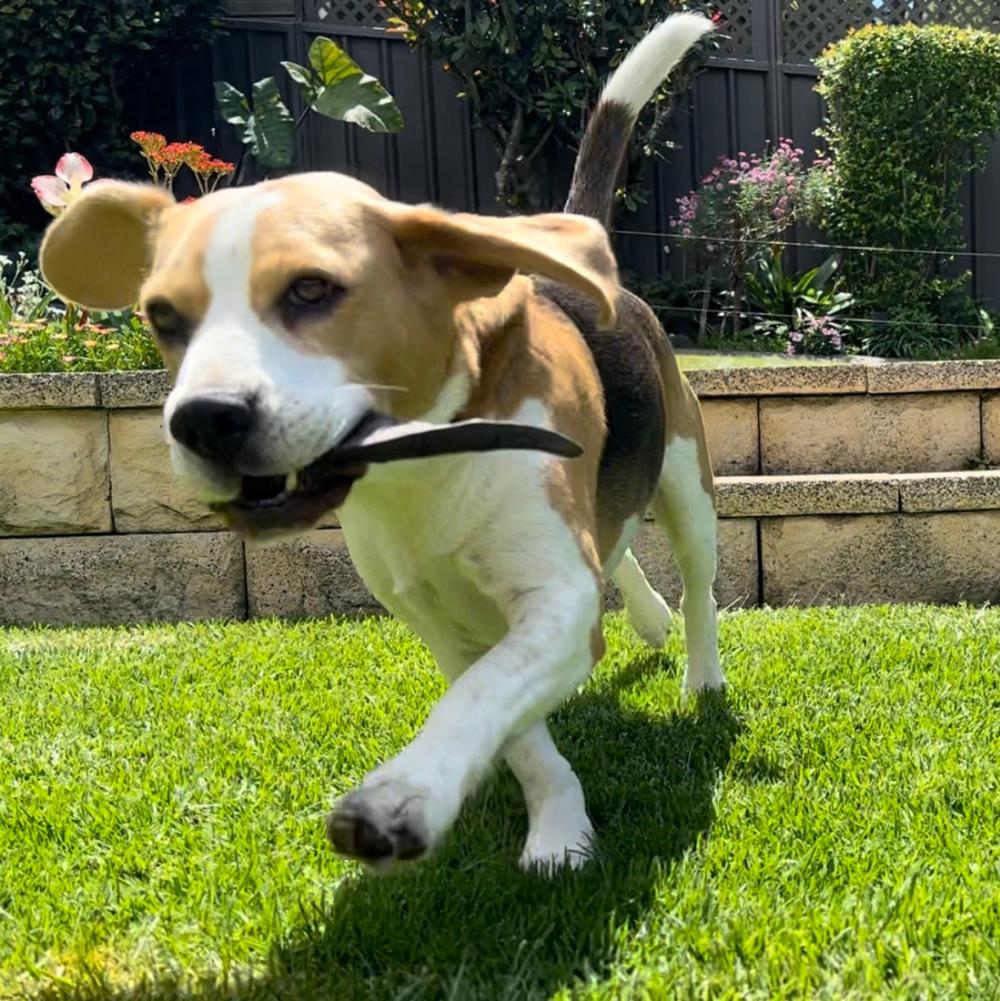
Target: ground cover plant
830, 831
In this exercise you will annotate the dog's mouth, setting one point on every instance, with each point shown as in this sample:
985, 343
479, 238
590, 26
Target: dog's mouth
268, 505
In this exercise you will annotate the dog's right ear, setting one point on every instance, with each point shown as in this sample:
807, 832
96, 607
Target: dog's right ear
98, 251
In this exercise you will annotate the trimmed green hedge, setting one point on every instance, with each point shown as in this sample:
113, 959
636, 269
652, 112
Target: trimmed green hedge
910, 112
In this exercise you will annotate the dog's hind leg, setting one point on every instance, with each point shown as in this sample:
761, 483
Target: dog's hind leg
559, 830
647, 611
684, 506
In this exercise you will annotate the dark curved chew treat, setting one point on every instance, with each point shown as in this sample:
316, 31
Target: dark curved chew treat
446, 439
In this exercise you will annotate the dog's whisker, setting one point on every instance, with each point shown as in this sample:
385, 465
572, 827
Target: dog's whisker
391, 389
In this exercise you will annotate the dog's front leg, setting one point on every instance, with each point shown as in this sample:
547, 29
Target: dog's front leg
405, 806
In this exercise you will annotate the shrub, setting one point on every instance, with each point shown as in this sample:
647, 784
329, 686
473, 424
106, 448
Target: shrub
800, 314
910, 112
64, 68
533, 71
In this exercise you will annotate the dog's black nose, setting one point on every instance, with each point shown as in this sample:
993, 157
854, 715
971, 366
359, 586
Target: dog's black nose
214, 427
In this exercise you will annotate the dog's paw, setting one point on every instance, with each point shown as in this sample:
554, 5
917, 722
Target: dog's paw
562, 842
651, 618
703, 678
380, 824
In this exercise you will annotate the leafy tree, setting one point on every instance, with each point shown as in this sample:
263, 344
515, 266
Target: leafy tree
532, 70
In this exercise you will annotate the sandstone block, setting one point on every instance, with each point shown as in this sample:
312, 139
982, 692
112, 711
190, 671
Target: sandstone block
780, 380
882, 558
991, 430
44, 390
974, 490
54, 472
146, 496
99, 580
921, 432
731, 430
737, 581
309, 577
931, 376
134, 389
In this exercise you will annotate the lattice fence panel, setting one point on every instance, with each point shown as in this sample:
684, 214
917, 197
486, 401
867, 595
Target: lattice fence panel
737, 23
352, 13
808, 26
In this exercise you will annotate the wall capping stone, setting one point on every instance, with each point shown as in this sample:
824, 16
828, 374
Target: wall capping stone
48, 390
874, 376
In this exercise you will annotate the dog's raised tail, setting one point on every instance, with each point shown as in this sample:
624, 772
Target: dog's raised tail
610, 127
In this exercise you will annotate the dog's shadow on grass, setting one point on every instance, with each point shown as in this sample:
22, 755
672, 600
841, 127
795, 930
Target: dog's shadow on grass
469, 924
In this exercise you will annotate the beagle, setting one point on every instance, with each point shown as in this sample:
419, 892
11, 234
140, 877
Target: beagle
291, 311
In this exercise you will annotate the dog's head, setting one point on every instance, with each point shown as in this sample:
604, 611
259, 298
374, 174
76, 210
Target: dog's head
288, 311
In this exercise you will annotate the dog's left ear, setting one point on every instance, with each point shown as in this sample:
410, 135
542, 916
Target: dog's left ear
479, 255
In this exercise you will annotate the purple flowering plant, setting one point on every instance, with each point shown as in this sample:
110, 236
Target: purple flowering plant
735, 219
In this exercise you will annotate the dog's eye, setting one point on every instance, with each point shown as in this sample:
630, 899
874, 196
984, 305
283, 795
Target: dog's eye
166, 322
311, 292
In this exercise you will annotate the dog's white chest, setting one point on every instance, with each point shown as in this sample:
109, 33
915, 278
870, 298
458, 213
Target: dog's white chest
414, 531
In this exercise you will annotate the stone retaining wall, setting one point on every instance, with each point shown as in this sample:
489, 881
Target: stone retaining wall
850, 483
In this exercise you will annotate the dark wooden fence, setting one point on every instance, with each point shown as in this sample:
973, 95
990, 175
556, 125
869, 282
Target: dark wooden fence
758, 89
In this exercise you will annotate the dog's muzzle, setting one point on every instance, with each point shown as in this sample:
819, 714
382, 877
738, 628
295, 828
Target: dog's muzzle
218, 429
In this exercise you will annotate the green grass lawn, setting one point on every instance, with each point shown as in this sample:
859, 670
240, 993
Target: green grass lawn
832, 831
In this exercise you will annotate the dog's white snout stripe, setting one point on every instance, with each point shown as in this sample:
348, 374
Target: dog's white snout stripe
305, 402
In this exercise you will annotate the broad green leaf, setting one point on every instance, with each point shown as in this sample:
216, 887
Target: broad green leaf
331, 63
272, 127
363, 101
232, 103
306, 79
825, 271
348, 93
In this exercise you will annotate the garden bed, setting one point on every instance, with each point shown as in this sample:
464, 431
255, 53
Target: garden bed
840, 482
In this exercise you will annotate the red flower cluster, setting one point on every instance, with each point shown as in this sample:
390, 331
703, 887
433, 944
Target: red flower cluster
165, 161
149, 142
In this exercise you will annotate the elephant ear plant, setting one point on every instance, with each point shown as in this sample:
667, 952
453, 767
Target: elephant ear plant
333, 85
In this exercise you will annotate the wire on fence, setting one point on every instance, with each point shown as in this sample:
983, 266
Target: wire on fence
755, 315
811, 246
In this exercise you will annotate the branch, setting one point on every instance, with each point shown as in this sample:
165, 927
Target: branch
510, 151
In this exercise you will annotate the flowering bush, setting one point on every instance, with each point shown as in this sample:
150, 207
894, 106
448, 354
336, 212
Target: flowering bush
747, 201
164, 161
742, 207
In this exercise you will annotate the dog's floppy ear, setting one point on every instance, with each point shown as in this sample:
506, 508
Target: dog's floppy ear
482, 253
98, 251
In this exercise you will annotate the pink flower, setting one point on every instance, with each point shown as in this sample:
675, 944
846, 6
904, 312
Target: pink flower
57, 191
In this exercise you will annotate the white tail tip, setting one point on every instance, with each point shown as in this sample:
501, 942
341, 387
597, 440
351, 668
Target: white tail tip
650, 62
